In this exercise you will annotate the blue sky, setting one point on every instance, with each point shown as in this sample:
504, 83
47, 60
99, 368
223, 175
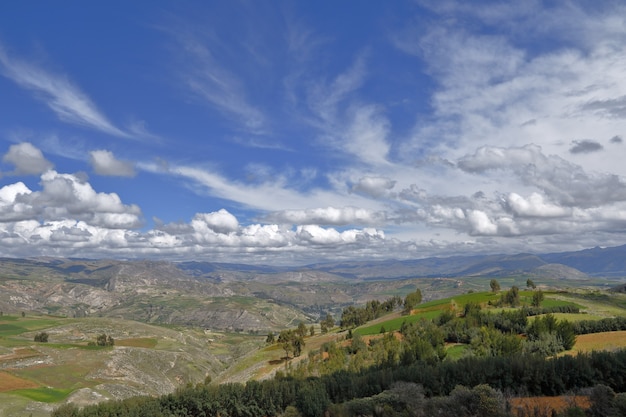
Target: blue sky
296, 132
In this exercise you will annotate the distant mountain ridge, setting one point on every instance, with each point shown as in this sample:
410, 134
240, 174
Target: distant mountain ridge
599, 262
260, 297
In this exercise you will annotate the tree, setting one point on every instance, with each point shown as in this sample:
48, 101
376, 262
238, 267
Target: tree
327, 323
270, 338
602, 399
495, 285
104, 340
537, 298
301, 329
565, 333
511, 297
291, 342
41, 337
412, 300
285, 338
312, 330
530, 284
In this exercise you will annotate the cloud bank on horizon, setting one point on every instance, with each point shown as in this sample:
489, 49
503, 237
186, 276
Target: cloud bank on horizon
301, 132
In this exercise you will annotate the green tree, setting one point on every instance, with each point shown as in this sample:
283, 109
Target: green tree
495, 285
511, 297
602, 399
41, 337
270, 338
537, 298
104, 340
530, 284
312, 399
285, 338
412, 300
327, 323
565, 333
291, 342
302, 329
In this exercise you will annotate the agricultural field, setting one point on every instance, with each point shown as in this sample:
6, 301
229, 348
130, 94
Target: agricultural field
145, 360
599, 341
152, 360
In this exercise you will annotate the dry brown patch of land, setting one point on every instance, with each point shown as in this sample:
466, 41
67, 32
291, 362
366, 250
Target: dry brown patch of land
9, 382
19, 353
527, 406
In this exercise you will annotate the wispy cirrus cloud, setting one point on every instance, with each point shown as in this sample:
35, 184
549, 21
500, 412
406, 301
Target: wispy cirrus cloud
212, 81
61, 95
254, 195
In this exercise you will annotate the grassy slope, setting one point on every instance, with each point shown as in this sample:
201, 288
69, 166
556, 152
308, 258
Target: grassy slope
67, 368
265, 362
149, 360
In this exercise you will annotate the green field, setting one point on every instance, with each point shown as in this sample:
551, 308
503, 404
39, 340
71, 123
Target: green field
44, 394
396, 323
589, 305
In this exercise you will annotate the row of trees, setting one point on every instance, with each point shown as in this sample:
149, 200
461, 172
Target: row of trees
356, 316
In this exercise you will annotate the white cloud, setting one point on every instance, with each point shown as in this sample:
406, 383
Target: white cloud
13, 203
327, 216
374, 186
324, 98
481, 223
207, 78
64, 98
219, 222
256, 194
105, 163
535, 206
562, 181
28, 160
65, 197
366, 135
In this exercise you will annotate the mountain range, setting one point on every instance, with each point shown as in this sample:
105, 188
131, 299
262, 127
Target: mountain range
263, 297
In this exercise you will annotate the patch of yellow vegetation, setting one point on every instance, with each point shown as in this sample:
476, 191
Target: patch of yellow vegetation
600, 341
140, 342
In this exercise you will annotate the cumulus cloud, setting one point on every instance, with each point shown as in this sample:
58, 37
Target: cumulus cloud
374, 186
14, 205
27, 159
67, 217
219, 222
564, 182
327, 216
105, 163
535, 206
617, 139
585, 146
63, 197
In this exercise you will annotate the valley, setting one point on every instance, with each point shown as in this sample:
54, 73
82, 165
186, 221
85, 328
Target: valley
179, 324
